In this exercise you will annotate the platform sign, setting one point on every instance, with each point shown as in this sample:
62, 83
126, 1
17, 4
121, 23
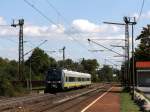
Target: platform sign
143, 73
143, 78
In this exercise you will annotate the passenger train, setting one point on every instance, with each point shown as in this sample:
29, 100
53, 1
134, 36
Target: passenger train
62, 79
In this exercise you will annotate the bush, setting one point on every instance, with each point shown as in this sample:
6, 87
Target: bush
9, 89
6, 88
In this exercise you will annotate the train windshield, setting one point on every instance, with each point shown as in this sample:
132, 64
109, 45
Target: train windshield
54, 75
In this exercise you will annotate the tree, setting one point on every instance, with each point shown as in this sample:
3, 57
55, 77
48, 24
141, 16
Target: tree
8, 74
68, 64
8, 68
90, 66
40, 63
106, 74
143, 50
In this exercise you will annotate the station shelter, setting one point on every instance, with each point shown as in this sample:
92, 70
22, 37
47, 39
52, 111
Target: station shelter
143, 73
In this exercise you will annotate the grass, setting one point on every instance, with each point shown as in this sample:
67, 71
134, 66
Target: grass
127, 105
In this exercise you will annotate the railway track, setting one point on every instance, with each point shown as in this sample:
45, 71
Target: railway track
21, 102
69, 105
44, 102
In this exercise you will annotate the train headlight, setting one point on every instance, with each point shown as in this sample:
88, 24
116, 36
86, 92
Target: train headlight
54, 86
48, 82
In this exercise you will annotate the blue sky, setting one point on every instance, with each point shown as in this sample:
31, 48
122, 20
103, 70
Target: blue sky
93, 10
84, 20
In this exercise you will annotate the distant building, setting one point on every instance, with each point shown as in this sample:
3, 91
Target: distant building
143, 73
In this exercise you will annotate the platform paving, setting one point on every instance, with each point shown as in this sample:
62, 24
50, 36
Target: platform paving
108, 102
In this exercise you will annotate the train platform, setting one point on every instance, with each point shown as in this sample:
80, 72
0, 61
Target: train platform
109, 101
145, 90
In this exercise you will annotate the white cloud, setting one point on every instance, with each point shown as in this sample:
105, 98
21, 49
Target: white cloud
82, 29
31, 30
43, 31
144, 15
56, 31
8, 31
2, 21
85, 26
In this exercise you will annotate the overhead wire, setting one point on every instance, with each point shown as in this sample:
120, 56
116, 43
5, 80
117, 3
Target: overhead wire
79, 42
102, 51
141, 11
47, 18
105, 59
54, 8
66, 21
58, 12
40, 12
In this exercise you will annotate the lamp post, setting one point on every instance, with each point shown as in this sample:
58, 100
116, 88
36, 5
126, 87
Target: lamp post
133, 61
30, 74
30, 77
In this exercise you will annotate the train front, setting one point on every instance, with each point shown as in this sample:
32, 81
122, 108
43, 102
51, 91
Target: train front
53, 80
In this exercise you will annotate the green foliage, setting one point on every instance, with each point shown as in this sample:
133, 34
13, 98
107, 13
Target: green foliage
40, 62
8, 68
8, 73
127, 105
6, 88
90, 66
68, 63
143, 50
95, 78
37, 65
118, 75
106, 74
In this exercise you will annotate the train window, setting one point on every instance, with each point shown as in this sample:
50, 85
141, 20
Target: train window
82, 79
71, 79
54, 75
79, 79
76, 79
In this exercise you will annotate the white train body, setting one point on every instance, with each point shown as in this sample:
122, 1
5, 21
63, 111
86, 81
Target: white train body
75, 79
65, 79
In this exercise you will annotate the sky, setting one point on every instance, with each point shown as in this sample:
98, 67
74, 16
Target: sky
69, 23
